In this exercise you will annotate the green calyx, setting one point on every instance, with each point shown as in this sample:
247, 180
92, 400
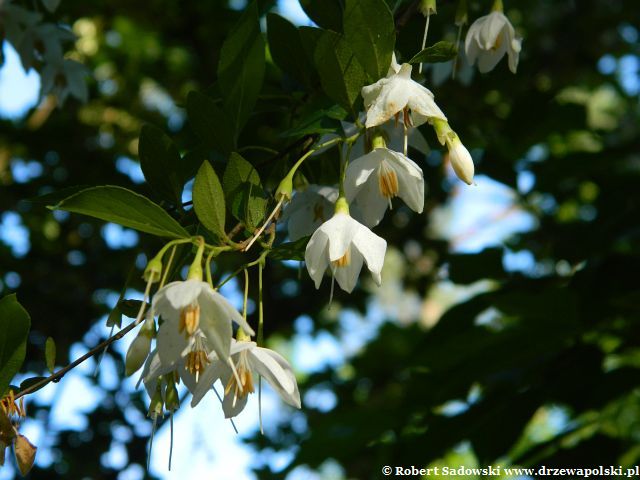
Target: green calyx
428, 7
342, 206
195, 270
153, 271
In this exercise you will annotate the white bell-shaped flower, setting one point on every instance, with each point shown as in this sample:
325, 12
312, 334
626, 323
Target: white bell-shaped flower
489, 38
249, 360
342, 244
399, 93
308, 210
197, 319
375, 178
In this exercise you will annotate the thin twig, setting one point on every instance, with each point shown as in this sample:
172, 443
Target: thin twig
61, 373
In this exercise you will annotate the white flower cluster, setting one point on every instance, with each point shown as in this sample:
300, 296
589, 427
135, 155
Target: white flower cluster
339, 222
195, 345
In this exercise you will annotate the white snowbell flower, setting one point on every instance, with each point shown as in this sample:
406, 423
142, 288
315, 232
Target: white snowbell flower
399, 93
197, 319
249, 360
375, 178
308, 210
343, 244
489, 38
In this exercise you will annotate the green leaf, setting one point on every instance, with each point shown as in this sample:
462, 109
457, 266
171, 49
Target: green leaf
124, 207
241, 68
210, 123
244, 191
370, 30
439, 52
287, 50
30, 382
341, 74
160, 160
129, 307
208, 200
14, 329
50, 354
290, 250
325, 13
319, 121
309, 36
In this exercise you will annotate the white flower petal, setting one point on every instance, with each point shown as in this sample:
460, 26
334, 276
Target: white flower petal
316, 256
277, 371
373, 248
180, 294
422, 104
347, 275
230, 410
358, 172
410, 180
340, 230
171, 344
371, 203
217, 369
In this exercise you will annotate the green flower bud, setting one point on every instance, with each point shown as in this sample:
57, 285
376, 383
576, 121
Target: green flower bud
137, 353
172, 399
153, 271
156, 406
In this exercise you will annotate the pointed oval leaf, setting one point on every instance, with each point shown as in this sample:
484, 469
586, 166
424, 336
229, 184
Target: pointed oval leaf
436, 53
244, 191
160, 163
124, 207
241, 68
14, 329
209, 122
50, 354
208, 200
287, 50
370, 30
325, 13
341, 74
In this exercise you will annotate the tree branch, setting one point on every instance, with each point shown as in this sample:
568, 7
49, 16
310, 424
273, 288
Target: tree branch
61, 373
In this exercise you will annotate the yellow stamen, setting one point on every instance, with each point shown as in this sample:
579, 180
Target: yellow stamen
406, 117
242, 385
496, 45
344, 260
387, 181
196, 362
189, 319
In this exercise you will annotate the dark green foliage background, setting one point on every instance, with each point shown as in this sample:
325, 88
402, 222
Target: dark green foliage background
569, 340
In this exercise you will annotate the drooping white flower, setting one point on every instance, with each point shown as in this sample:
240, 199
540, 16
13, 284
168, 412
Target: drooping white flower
342, 244
308, 210
197, 319
375, 178
489, 38
399, 93
249, 360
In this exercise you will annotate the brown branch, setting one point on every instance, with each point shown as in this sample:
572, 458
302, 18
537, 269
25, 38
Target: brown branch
55, 377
